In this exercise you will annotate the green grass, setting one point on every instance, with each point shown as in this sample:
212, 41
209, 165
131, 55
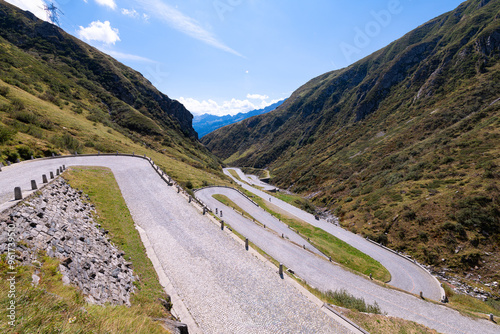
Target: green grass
52, 307
344, 299
340, 251
472, 306
379, 324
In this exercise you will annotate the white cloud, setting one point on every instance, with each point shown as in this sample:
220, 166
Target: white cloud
184, 24
232, 107
107, 3
34, 6
135, 14
99, 31
132, 13
257, 97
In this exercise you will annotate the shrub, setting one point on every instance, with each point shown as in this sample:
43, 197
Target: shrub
24, 152
6, 134
25, 116
409, 215
423, 236
66, 141
77, 109
478, 212
50, 97
4, 90
16, 105
11, 155
344, 299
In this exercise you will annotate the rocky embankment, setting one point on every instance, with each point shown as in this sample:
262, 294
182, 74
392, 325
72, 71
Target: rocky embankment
59, 220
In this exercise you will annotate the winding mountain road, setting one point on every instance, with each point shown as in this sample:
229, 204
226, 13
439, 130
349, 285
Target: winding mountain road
405, 274
322, 274
224, 288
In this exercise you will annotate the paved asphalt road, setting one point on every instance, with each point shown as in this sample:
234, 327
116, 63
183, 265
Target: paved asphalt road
224, 287
326, 276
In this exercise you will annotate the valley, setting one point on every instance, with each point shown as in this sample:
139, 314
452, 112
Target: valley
371, 194
401, 146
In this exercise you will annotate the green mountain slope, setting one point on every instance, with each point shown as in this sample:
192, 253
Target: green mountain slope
60, 95
403, 145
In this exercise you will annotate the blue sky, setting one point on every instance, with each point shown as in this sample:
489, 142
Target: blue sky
229, 56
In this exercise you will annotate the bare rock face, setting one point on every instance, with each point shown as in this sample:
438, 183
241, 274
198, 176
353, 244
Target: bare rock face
60, 222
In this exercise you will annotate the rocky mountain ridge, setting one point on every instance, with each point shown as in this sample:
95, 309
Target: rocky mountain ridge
206, 123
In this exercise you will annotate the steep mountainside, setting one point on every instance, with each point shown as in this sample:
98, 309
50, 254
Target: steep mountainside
206, 123
120, 90
403, 145
58, 94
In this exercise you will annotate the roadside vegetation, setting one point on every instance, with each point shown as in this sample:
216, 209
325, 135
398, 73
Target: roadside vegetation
344, 299
53, 307
380, 324
472, 306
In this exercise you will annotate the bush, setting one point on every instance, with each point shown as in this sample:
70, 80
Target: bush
50, 97
6, 134
479, 212
344, 299
4, 90
24, 152
16, 105
77, 109
11, 155
66, 141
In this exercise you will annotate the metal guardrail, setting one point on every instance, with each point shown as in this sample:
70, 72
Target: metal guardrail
442, 292
164, 176
243, 194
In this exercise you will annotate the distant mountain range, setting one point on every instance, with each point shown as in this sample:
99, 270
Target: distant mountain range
403, 145
206, 123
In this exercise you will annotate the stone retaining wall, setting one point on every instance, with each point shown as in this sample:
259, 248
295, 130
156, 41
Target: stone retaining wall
59, 221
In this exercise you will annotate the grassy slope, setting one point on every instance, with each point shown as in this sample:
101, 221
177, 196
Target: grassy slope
52, 307
181, 161
402, 146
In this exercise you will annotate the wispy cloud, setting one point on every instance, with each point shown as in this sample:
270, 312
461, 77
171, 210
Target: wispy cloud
107, 3
257, 97
183, 23
127, 56
130, 12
